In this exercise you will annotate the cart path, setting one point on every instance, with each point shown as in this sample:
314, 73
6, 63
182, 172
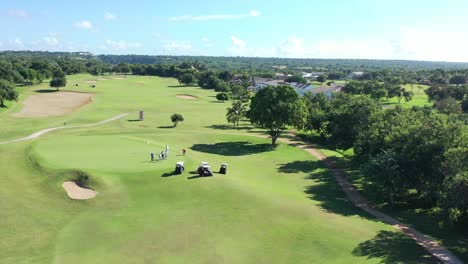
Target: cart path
432, 246
47, 130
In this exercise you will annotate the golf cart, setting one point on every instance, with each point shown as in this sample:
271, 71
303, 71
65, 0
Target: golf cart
179, 167
223, 168
204, 169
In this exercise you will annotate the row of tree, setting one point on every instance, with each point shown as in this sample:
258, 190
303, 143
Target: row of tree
378, 90
403, 152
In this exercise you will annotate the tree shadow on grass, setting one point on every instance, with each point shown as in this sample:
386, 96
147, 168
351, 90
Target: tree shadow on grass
393, 247
46, 91
181, 86
325, 190
228, 127
239, 148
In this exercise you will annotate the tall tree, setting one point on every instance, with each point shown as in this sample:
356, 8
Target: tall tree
58, 82
322, 78
275, 108
236, 112
7, 92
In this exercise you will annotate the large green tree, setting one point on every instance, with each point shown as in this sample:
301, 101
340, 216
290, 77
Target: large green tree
348, 116
187, 79
275, 108
7, 92
58, 82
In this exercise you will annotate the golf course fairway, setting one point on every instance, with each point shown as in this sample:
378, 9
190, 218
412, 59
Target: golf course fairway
275, 205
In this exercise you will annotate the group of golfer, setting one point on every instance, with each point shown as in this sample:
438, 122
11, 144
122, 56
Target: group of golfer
164, 154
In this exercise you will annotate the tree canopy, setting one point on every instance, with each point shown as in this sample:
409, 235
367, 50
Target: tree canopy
275, 108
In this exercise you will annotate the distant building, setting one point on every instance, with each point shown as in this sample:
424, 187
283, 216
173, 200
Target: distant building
302, 88
261, 83
328, 90
355, 75
312, 75
280, 76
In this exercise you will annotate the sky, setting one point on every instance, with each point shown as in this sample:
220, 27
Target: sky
435, 30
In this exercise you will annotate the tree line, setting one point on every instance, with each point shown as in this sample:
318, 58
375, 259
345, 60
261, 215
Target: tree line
420, 152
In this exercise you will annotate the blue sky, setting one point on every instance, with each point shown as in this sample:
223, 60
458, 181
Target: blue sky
371, 29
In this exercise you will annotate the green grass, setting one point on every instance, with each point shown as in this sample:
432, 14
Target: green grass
420, 98
276, 205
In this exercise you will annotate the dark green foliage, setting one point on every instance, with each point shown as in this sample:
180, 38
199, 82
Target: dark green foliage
7, 92
318, 106
222, 97
58, 82
378, 90
419, 138
187, 79
225, 76
322, 78
457, 79
384, 170
274, 108
176, 118
348, 117
122, 68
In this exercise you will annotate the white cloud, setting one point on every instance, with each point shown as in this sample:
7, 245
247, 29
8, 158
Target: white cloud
109, 16
410, 44
18, 13
252, 13
178, 47
238, 43
205, 39
84, 24
18, 43
120, 45
51, 40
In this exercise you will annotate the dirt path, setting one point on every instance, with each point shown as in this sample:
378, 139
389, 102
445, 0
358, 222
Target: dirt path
357, 199
47, 130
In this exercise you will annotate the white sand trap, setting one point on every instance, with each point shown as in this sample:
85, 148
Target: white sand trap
53, 104
186, 96
90, 82
102, 79
119, 78
76, 192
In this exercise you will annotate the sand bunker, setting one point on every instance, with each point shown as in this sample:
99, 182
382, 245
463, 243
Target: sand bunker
90, 82
78, 193
53, 104
119, 78
186, 96
103, 79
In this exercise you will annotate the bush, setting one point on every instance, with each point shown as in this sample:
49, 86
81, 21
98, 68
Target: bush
176, 118
222, 97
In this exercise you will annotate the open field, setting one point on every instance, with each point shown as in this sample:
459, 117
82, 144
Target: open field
420, 98
275, 205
